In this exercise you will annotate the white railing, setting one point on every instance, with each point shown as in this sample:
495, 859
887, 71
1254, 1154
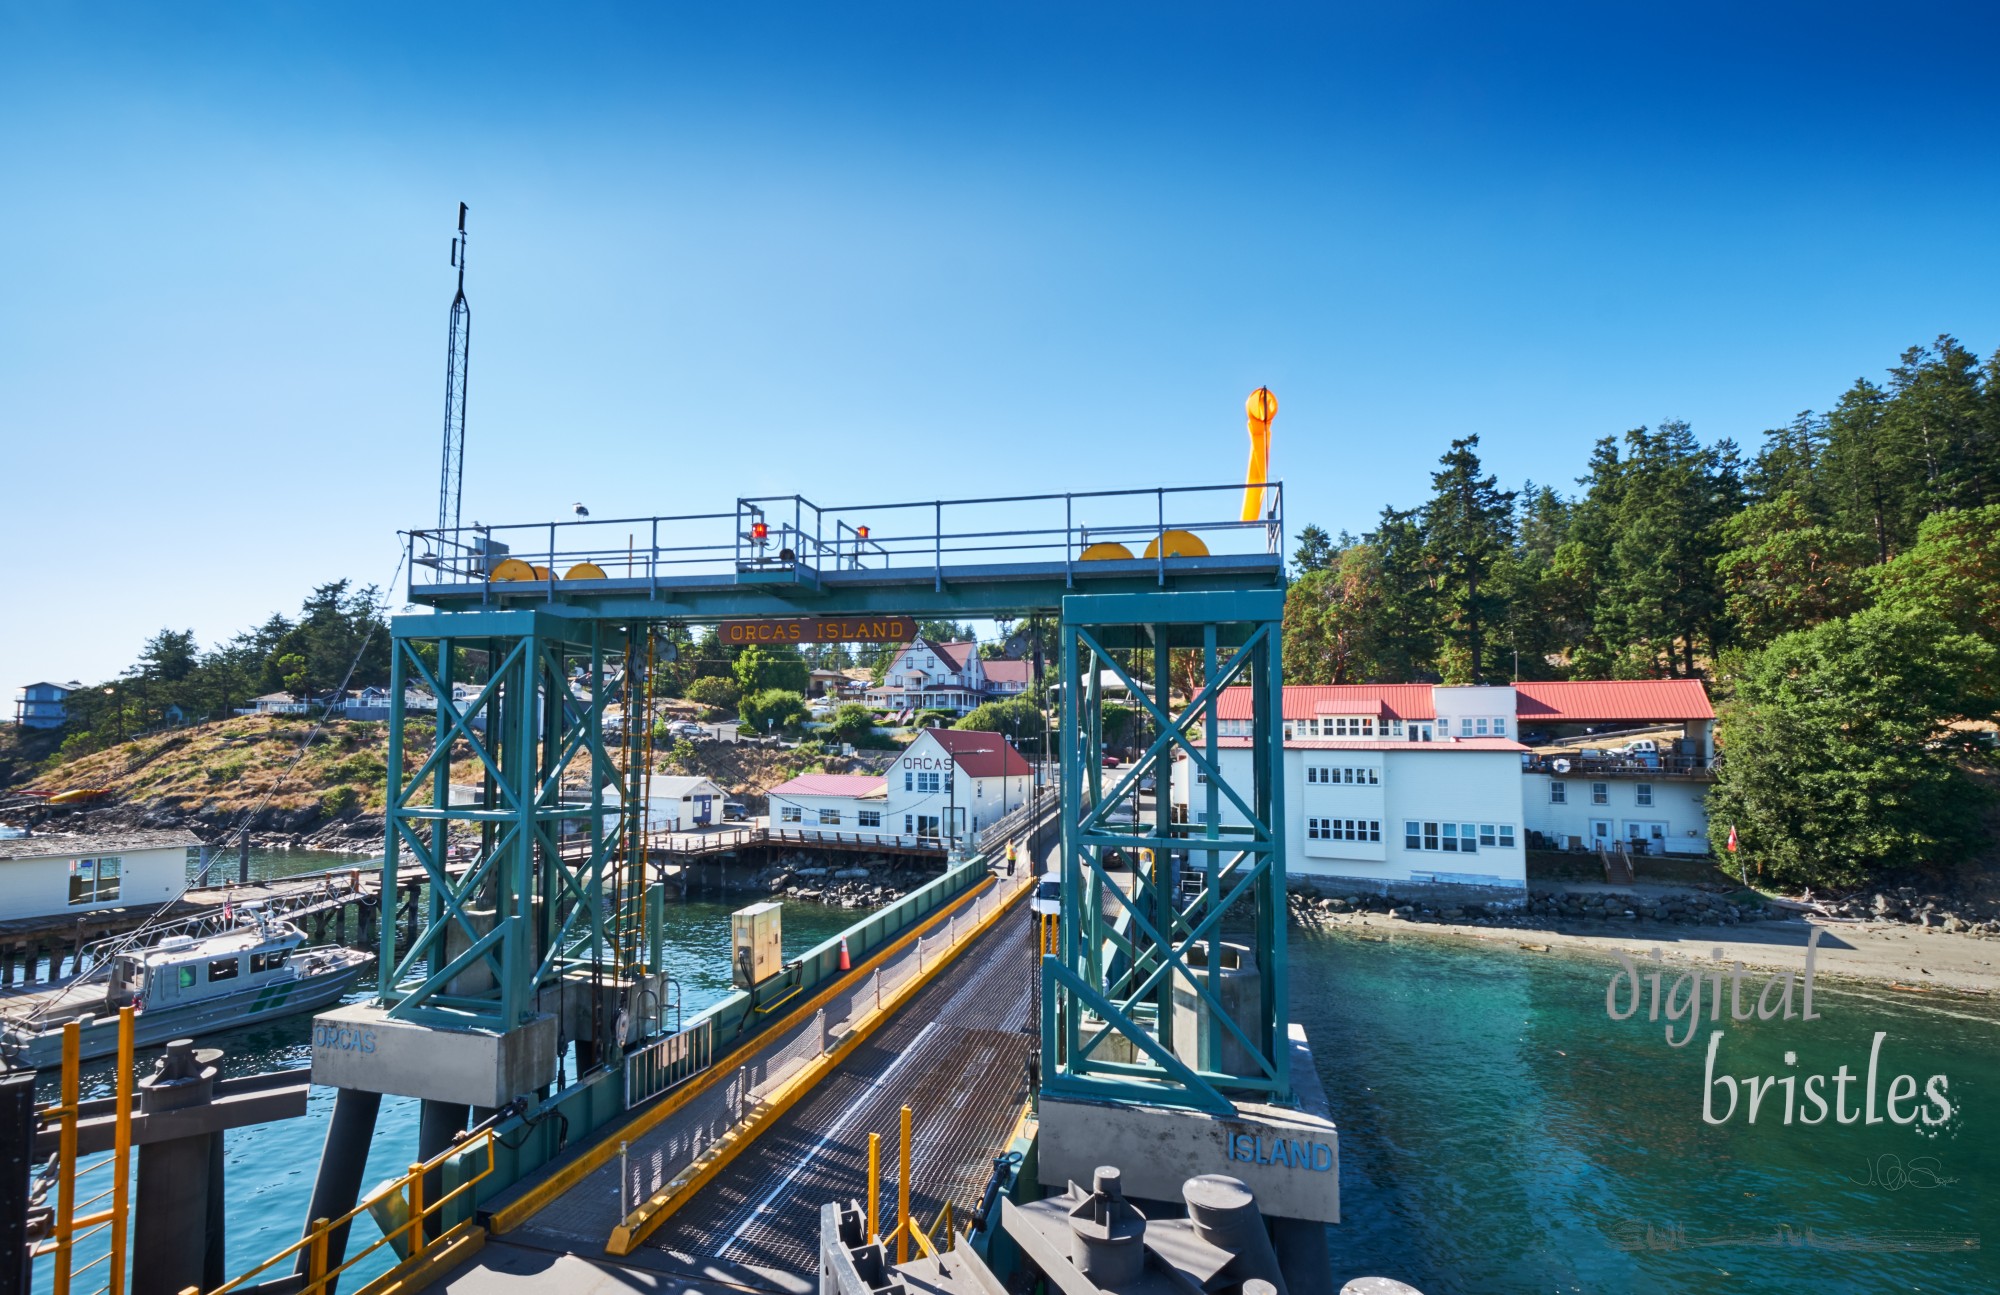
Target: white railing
668, 1062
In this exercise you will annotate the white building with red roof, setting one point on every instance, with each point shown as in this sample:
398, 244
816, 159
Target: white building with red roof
947, 785
1449, 784
929, 675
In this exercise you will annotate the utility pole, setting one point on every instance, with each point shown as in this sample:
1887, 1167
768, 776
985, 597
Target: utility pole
458, 356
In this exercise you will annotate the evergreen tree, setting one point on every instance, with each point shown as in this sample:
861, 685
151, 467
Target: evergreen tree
1836, 772
1467, 528
1315, 551
1784, 570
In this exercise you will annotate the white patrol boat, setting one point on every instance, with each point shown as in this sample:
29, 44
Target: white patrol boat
182, 986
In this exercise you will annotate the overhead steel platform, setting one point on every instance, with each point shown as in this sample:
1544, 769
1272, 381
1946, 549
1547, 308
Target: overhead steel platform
785, 556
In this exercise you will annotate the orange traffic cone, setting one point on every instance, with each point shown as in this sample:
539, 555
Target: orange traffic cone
845, 965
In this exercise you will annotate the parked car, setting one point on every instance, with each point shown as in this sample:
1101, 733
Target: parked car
1637, 747
733, 811
689, 730
1047, 899
1111, 762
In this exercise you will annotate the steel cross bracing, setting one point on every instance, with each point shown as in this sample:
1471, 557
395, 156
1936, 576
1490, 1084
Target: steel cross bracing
530, 911
510, 925
1139, 969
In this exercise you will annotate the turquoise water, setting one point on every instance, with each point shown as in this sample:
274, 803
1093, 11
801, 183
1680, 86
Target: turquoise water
265, 864
270, 1167
1499, 1133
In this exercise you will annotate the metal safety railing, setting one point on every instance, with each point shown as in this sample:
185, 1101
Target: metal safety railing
71, 1221
1151, 524
668, 1062
663, 1162
412, 1239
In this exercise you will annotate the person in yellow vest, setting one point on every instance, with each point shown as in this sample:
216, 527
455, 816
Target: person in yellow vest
1010, 858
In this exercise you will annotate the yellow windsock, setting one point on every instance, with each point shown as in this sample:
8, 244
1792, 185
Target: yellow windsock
1262, 407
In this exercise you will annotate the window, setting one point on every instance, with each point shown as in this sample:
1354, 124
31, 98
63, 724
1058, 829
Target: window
1558, 793
93, 881
1600, 793
224, 969
1344, 829
1316, 774
868, 817
1458, 838
1395, 728
1499, 727
1644, 791
829, 818
1482, 727
267, 961
909, 823
790, 814
185, 977
926, 782
909, 781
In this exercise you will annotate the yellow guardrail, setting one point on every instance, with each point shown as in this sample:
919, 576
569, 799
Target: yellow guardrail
68, 1226
410, 1187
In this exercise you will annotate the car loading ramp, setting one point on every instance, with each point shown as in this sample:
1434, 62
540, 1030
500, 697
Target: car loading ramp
957, 1052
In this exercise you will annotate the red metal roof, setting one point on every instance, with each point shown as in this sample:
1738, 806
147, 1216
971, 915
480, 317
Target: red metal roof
831, 784
1665, 700
981, 755
1305, 701
1002, 670
1584, 702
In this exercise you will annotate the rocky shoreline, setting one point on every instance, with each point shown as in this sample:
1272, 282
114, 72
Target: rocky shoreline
1544, 906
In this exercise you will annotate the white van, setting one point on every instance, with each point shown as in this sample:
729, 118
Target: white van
1047, 899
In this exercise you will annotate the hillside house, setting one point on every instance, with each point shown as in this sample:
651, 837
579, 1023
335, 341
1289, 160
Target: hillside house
41, 705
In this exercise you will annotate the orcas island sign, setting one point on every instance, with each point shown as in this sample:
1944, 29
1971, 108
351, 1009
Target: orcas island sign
821, 629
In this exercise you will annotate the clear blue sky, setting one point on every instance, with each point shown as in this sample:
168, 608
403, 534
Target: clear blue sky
840, 249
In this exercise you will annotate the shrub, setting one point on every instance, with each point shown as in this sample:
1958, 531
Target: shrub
851, 722
335, 801
773, 709
714, 690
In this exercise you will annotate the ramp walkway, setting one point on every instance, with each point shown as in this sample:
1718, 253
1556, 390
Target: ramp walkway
957, 1019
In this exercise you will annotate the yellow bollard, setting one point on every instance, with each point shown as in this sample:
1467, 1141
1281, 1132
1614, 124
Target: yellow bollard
416, 1211
874, 1180
72, 1048
121, 1155
903, 1197
316, 1257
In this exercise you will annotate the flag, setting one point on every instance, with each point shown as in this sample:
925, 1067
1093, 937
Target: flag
1732, 838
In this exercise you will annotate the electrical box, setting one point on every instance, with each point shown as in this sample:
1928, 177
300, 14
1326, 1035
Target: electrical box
757, 943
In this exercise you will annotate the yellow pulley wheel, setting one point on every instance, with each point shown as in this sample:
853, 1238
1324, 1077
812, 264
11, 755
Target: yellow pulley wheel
1180, 544
512, 569
1105, 551
584, 571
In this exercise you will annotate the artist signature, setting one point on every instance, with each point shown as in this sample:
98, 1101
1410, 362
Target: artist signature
1892, 1175
1636, 1234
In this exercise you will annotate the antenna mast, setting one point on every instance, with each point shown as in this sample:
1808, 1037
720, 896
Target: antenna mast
458, 354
